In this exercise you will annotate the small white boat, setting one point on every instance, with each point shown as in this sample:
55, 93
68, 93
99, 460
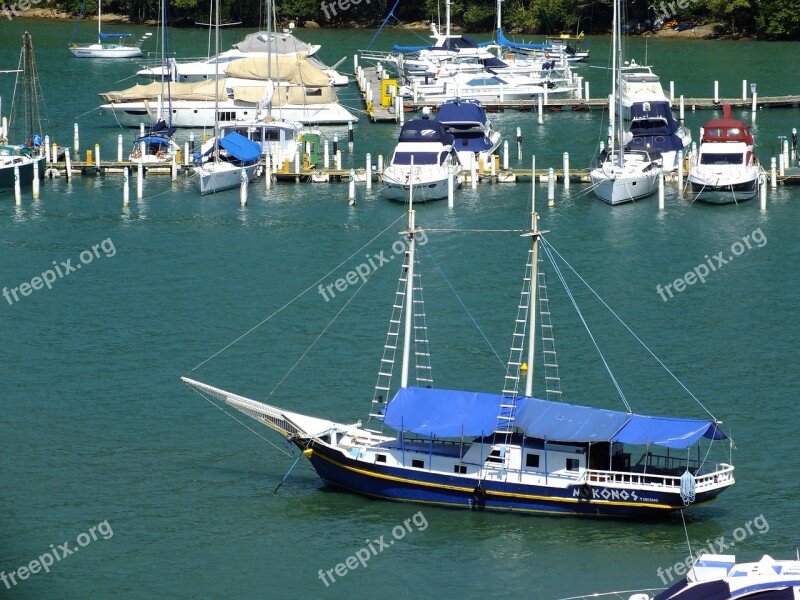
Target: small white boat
726, 169
474, 138
625, 176
227, 163
422, 158
109, 45
156, 147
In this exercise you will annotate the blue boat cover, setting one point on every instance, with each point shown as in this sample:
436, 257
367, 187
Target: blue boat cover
654, 126
452, 413
152, 139
504, 41
425, 130
240, 147
105, 36
461, 114
396, 48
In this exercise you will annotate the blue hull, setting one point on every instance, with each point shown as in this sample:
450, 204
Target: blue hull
393, 483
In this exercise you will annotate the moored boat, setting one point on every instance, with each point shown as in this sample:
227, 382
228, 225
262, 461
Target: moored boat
474, 137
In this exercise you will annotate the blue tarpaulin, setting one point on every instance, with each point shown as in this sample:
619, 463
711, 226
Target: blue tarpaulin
425, 130
461, 114
503, 41
106, 36
452, 413
240, 147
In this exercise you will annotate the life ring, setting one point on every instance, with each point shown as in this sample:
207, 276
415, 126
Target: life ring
161, 155
585, 492
547, 55
479, 494
136, 154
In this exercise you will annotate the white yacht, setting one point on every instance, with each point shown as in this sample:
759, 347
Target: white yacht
638, 83
474, 137
421, 158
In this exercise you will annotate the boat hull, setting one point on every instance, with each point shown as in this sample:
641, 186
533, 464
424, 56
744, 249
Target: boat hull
423, 191
724, 194
25, 173
621, 190
217, 177
105, 51
427, 487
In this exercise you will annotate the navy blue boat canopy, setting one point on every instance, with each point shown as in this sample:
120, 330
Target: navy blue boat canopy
107, 36
240, 147
461, 113
425, 130
453, 413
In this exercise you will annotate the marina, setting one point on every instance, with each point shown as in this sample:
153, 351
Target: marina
98, 427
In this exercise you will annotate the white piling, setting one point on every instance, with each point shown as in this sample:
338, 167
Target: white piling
351, 188
186, 159
755, 99
786, 154
519, 144
539, 109
578, 86
368, 169
338, 160
473, 172
297, 161
243, 187
174, 168
681, 110
96, 157
47, 154
533, 180
17, 186
551, 187
35, 183
773, 179
492, 167
661, 190
762, 191
350, 137
780, 165
76, 139
267, 172
326, 157
141, 129
451, 169
716, 92
4, 127
68, 164
680, 171
400, 110
380, 163
355, 62
126, 191
566, 170
744, 89
586, 90
335, 145
672, 91
505, 155
54, 150
119, 148
139, 180
191, 141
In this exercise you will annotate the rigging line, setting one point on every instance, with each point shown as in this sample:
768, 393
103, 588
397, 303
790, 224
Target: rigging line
478, 230
389, 16
321, 333
243, 424
638, 339
301, 294
560, 275
464, 306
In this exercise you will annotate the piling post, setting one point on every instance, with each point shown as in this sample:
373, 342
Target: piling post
681, 110
97, 158
401, 115
335, 144
505, 155
755, 98
326, 158
141, 129
242, 187
680, 171
551, 187
351, 188
267, 171
586, 90
35, 183
174, 168
350, 137
76, 139
781, 170
380, 163
338, 160
566, 170
47, 154
773, 179
519, 144
368, 169
716, 92
762, 184
744, 89
17, 186
661, 190
139, 180
119, 148
126, 191
786, 154
672, 91
450, 184
186, 158
539, 109
473, 172
68, 164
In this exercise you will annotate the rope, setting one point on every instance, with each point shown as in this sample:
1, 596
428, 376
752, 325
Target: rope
625, 325
299, 295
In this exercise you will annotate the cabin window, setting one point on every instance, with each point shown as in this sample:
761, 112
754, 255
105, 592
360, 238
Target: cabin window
418, 464
573, 464
532, 460
495, 456
380, 458
460, 469
720, 158
316, 92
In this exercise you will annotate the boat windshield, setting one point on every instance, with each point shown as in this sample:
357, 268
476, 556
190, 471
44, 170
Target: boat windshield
727, 158
420, 158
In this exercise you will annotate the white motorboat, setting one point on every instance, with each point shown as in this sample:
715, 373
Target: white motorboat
653, 127
109, 45
484, 87
474, 138
623, 175
422, 158
726, 169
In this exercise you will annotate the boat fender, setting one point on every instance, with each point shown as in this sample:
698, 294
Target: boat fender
479, 493
136, 154
585, 492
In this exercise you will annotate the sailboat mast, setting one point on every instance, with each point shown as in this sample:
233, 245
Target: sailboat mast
447, 17
534, 233
408, 324
99, 19
618, 79
216, 81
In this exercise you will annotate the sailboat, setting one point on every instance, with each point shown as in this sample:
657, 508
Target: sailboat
507, 452
109, 45
623, 174
233, 157
26, 123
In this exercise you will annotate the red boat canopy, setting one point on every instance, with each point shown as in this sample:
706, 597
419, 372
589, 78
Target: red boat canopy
727, 129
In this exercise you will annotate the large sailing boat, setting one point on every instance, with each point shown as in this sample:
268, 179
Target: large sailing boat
25, 125
508, 452
623, 174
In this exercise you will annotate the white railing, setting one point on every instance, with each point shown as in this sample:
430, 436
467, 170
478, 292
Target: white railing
722, 474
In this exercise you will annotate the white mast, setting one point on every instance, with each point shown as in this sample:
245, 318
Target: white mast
447, 18
99, 14
617, 66
409, 298
216, 81
534, 233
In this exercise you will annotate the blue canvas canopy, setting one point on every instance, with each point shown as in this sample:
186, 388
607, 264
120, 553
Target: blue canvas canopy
240, 147
106, 36
461, 114
452, 413
654, 126
504, 41
425, 130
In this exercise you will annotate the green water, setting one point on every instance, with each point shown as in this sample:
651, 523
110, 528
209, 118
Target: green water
96, 426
